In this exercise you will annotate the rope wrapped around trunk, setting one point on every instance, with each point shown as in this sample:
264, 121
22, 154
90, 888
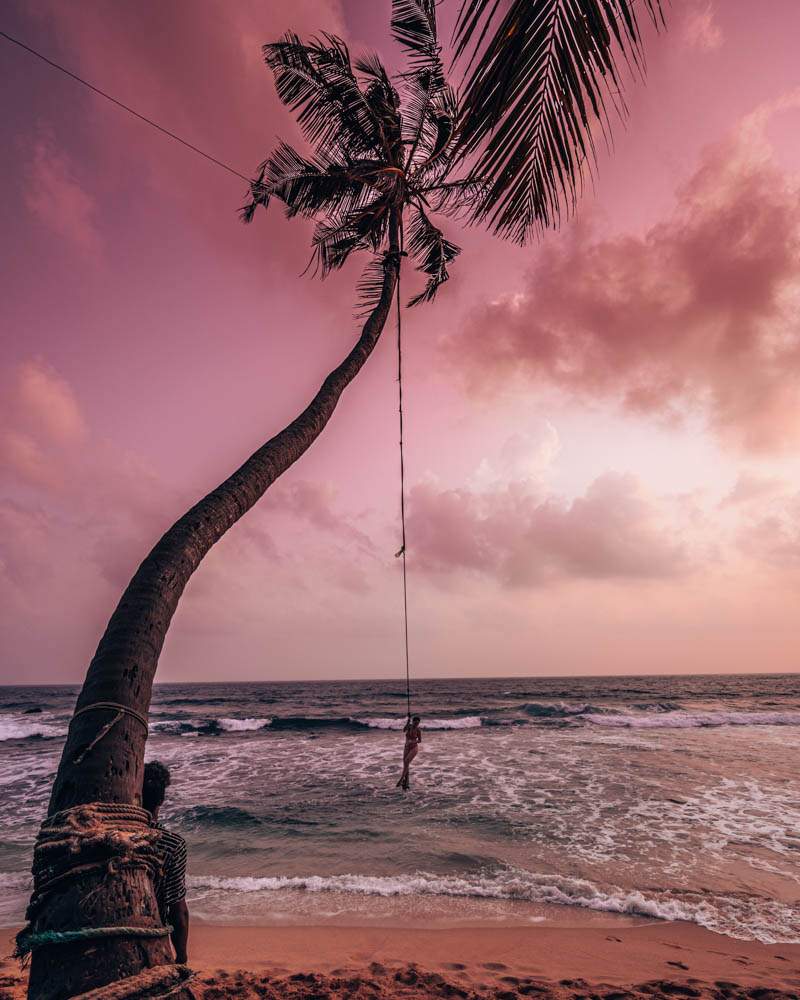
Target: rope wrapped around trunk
94, 837
148, 983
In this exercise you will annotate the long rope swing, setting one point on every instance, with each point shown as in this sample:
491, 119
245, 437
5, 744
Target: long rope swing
402, 551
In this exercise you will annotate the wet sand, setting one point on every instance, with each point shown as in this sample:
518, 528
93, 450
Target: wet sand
612, 962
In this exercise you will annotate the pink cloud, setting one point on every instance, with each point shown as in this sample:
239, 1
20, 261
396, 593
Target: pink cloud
700, 29
611, 533
77, 515
750, 488
315, 502
771, 535
699, 313
45, 400
39, 417
56, 199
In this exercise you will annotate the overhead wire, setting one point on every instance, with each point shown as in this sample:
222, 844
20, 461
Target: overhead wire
125, 107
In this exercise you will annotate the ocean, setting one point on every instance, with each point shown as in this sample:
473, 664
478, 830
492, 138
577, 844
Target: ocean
532, 799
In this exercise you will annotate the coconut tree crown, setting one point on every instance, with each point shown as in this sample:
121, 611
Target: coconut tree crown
541, 76
382, 150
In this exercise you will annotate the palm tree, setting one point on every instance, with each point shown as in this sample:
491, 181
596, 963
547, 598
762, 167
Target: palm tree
383, 168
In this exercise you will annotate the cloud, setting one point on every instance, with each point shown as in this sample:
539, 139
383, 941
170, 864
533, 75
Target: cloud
613, 532
771, 535
698, 314
78, 514
45, 400
39, 417
55, 197
750, 488
314, 502
526, 456
700, 29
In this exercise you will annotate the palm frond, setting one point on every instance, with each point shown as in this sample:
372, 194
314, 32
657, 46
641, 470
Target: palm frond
458, 198
432, 251
342, 234
419, 125
370, 65
548, 71
317, 80
414, 25
259, 195
370, 285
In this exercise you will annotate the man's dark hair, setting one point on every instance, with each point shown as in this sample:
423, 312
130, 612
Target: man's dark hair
154, 785
416, 719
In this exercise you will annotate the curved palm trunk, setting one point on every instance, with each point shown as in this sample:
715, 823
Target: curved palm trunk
122, 672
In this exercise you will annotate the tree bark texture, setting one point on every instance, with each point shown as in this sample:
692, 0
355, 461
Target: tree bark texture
122, 672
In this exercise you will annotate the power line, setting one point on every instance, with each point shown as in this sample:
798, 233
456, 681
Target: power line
124, 107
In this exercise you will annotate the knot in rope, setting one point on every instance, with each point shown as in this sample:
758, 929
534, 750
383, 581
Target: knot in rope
106, 706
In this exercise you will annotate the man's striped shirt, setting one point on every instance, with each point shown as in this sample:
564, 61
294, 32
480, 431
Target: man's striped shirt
170, 885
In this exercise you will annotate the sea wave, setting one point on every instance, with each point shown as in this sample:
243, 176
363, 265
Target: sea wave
209, 815
694, 720
301, 723
561, 710
208, 727
15, 726
735, 915
464, 722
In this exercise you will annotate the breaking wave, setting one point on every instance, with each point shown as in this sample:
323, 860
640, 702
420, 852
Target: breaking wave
736, 915
26, 727
464, 722
562, 710
695, 720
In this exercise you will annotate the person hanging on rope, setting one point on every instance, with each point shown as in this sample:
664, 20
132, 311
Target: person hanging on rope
170, 887
413, 739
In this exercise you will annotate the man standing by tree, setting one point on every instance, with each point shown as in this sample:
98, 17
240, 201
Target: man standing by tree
170, 885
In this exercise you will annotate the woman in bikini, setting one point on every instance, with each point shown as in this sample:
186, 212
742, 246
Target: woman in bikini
413, 740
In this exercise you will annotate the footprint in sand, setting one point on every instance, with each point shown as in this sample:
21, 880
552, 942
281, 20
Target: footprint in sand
612, 938
494, 966
454, 966
678, 965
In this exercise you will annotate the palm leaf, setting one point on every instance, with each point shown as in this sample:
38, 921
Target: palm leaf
538, 78
414, 25
342, 234
458, 198
370, 285
317, 80
432, 251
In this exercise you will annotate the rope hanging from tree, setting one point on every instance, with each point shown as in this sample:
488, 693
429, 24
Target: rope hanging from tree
402, 551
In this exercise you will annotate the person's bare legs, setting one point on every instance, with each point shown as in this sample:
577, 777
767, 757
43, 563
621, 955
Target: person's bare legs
409, 754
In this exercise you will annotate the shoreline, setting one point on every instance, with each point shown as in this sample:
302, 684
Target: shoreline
617, 960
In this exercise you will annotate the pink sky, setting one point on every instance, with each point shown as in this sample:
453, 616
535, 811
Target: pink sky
603, 430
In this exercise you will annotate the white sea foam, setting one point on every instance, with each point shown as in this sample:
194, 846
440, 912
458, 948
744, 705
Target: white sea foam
465, 722
695, 720
242, 725
20, 727
736, 915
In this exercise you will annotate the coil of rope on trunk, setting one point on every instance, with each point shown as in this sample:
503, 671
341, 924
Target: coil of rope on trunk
94, 837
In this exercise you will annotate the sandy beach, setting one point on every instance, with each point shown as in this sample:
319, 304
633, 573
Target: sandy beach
612, 962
